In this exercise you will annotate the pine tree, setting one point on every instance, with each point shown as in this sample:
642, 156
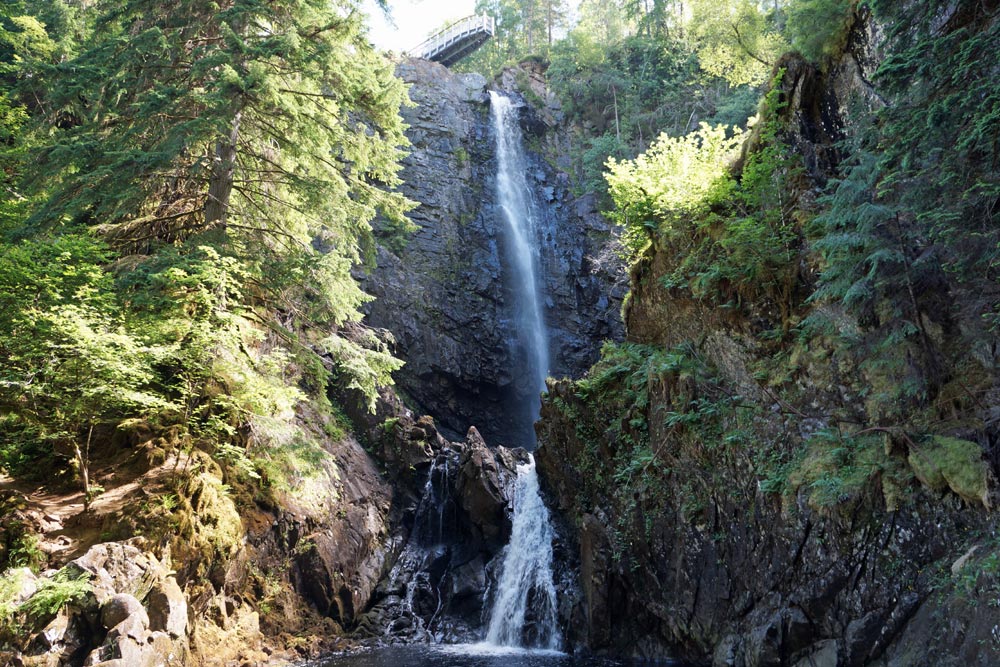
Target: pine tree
272, 127
201, 179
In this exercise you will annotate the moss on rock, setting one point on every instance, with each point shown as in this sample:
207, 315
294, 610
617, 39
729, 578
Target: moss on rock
952, 463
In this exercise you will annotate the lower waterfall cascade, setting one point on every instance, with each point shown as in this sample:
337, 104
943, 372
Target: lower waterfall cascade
524, 607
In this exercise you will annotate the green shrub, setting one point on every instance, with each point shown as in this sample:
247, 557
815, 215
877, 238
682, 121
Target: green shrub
730, 238
675, 182
11, 583
67, 586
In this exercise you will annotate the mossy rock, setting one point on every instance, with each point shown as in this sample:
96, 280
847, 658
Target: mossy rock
952, 463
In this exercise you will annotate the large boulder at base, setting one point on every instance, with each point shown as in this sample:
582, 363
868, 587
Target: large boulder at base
119, 607
110, 626
486, 478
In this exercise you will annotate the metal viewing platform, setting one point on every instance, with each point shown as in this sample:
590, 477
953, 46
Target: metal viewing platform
456, 41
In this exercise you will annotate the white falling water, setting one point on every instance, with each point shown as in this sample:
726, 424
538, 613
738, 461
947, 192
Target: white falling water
525, 594
526, 573
518, 209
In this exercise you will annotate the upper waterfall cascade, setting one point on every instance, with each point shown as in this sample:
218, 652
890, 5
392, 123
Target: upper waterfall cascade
520, 218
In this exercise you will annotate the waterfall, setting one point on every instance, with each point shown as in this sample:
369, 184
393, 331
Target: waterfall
520, 218
525, 583
524, 602
414, 573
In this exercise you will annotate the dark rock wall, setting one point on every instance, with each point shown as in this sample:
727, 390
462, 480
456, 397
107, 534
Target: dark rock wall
451, 517
442, 292
747, 580
718, 569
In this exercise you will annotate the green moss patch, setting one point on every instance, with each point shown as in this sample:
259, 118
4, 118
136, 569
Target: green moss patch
944, 463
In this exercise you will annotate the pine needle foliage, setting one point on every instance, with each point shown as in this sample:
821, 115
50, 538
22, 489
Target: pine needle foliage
941, 134
190, 189
912, 222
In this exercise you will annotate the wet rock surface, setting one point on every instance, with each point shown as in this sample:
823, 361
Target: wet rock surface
461, 522
442, 291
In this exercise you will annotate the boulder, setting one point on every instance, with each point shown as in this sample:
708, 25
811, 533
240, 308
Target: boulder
25, 584
822, 654
765, 643
118, 567
484, 489
727, 653
121, 607
469, 580
129, 646
167, 608
113, 616
65, 639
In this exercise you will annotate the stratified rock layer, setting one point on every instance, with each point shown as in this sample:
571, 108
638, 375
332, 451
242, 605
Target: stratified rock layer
443, 293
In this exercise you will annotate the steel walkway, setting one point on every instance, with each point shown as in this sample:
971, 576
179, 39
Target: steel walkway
456, 41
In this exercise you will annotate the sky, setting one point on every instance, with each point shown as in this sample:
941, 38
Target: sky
415, 20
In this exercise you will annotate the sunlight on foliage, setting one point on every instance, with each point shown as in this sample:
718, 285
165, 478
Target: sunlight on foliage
676, 180
736, 40
819, 28
67, 586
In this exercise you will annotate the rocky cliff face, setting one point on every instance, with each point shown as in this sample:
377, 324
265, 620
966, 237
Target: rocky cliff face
437, 588
396, 537
698, 536
442, 292
714, 569
216, 570
208, 568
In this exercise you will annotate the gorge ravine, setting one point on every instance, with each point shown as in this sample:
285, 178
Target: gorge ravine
514, 243
719, 567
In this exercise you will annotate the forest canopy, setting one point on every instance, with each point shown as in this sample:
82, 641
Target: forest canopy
186, 189
626, 71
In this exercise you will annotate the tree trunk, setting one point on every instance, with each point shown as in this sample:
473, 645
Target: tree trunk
528, 19
84, 462
618, 130
220, 186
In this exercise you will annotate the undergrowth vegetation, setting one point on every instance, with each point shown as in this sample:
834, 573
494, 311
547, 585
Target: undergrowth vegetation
863, 303
731, 237
26, 602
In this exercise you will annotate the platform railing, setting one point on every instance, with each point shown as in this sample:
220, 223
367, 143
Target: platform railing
459, 31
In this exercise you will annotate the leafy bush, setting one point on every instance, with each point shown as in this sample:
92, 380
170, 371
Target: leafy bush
67, 586
728, 238
677, 181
